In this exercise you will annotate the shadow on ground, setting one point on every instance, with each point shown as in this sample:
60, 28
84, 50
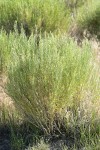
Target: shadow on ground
20, 137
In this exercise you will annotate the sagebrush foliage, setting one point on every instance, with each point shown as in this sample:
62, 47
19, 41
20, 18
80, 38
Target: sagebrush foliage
53, 80
45, 16
88, 17
45, 80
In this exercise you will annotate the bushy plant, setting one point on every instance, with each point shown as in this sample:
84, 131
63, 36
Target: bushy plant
88, 17
4, 51
46, 80
48, 15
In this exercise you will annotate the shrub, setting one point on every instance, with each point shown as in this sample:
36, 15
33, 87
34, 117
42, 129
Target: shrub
88, 17
44, 81
46, 16
4, 51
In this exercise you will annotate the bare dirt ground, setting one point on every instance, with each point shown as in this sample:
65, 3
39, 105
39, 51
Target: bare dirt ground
5, 100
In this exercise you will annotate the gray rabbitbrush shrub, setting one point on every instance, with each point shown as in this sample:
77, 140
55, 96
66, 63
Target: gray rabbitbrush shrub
43, 81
